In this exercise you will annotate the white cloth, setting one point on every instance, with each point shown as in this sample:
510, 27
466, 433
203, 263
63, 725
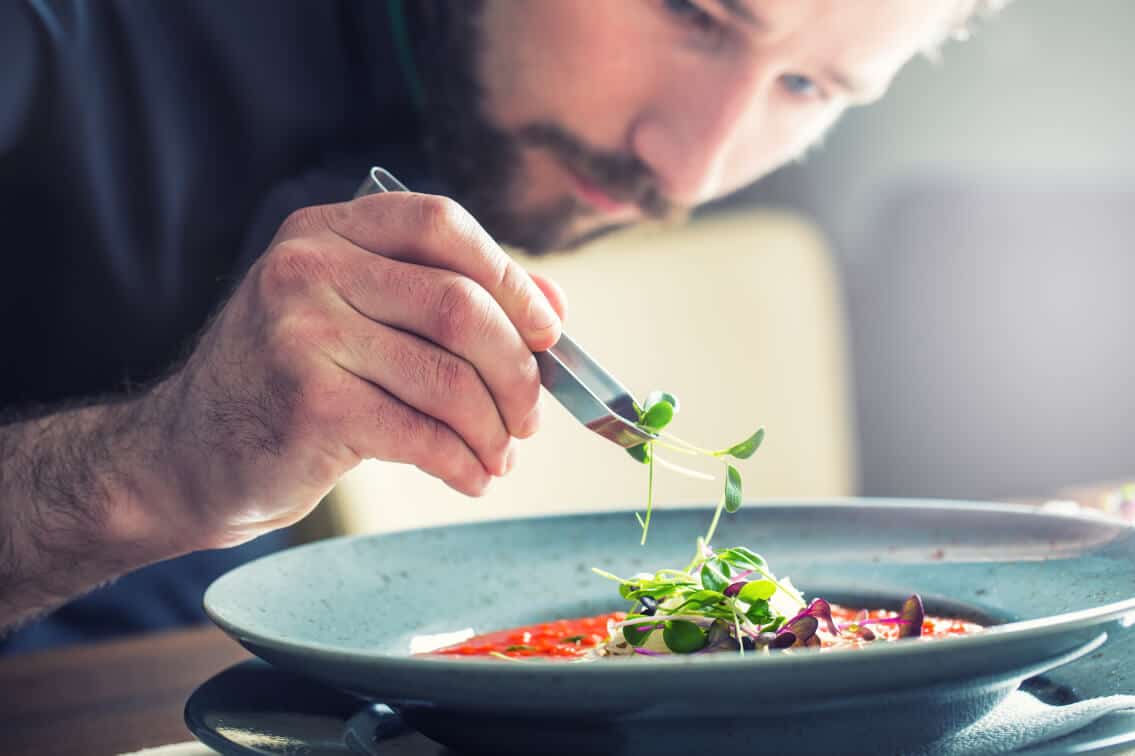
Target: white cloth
1021, 722
192, 748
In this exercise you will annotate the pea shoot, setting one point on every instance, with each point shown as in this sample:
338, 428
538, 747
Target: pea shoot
657, 412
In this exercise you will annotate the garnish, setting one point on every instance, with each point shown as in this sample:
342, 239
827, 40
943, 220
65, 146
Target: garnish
729, 600
912, 614
723, 600
656, 414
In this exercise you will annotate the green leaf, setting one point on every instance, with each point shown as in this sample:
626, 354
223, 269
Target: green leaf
701, 599
654, 591
746, 448
712, 580
773, 625
757, 590
732, 489
760, 613
683, 637
627, 590
634, 636
656, 397
657, 417
640, 453
741, 557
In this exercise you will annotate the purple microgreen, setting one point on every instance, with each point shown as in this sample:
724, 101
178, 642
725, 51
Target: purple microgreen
822, 611
802, 628
766, 639
783, 639
912, 615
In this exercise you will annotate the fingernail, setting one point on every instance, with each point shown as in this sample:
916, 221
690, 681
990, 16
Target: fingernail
531, 423
541, 316
510, 459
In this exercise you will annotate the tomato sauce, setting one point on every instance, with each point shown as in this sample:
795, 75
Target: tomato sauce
932, 627
573, 638
568, 638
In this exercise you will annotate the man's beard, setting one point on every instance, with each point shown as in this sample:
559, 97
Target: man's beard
483, 165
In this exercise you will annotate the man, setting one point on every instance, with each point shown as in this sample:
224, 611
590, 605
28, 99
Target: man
160, 160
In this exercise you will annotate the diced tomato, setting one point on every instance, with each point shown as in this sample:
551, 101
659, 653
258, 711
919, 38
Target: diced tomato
567, 638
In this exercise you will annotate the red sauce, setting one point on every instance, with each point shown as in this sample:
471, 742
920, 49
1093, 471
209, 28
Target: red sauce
563, 638
571, 638
932, 627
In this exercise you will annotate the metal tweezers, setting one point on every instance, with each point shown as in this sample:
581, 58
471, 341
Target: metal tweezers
591, 394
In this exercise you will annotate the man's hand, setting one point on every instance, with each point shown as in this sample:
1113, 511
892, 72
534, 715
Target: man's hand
391, 327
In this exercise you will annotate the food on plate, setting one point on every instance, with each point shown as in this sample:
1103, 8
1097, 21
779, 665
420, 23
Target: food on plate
725, 601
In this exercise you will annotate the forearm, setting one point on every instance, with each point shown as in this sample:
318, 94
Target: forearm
80, 504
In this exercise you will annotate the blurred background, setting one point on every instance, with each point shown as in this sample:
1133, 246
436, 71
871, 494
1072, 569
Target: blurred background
935, 303
982, 219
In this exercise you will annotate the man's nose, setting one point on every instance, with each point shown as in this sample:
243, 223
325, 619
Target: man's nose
686, 135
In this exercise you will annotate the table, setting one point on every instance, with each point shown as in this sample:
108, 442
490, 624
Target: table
125, 695
109, 697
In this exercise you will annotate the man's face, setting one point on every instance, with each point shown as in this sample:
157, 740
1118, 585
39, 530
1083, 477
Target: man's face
585, 115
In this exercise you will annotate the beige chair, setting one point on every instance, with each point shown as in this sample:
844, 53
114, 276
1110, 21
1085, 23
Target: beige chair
739, 315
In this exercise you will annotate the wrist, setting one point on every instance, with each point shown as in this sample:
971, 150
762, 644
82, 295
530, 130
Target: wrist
138, 499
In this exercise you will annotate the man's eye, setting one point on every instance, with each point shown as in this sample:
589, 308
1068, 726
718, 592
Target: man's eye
689, 12
799, 85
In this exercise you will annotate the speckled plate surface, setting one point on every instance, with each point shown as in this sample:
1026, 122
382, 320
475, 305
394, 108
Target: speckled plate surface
343, 611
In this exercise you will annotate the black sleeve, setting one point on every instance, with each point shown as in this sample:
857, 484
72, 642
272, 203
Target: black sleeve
21, 50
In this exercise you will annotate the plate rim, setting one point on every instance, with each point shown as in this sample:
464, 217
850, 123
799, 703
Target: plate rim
1078, 620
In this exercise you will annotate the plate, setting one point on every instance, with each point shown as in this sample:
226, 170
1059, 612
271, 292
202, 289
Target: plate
254, 709
343, 611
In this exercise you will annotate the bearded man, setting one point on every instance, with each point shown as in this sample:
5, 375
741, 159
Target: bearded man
201, 336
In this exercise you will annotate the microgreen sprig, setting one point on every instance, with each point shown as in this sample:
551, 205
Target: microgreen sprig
657, 412
724, 599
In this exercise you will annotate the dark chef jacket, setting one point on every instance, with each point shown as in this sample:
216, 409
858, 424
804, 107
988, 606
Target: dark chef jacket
148, 151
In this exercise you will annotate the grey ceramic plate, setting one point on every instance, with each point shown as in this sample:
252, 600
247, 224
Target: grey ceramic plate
255, 709
343, 611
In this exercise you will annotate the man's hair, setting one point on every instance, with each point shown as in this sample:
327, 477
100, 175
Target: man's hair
964, 26
989, 7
